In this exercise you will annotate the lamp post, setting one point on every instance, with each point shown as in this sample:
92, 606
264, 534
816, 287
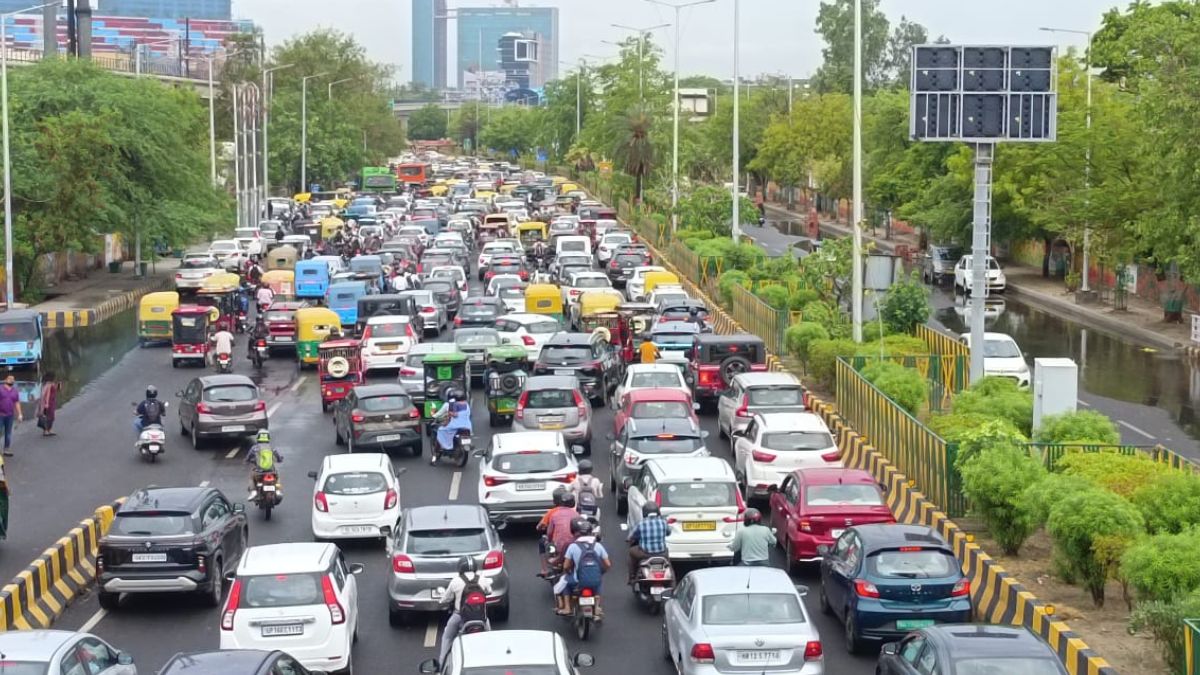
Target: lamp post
329, 88
675, 134
304, 129
1087, 167
212, 110
736, 227
642, 33
268, 87
856, 267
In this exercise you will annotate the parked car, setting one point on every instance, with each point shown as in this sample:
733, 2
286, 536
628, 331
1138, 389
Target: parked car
650, 438
531, 331
195, 269
699, 496
588, 357
555, 403
221, 406
963, 277
970, 648
773, 444
716, 359
1002, 357
752, 393
235, 662
519, 472
354, 496
412, 372
171, 540
61, 652
937, 265
814, 506
377, 417
509, 651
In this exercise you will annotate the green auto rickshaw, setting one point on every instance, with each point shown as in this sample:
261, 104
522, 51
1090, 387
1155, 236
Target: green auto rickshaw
443, 372
503, 381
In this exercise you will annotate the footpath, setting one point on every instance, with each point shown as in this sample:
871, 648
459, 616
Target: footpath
90, 300
1140, 322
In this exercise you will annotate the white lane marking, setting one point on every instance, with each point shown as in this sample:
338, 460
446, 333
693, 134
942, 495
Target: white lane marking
1134, 429
203, 483
273, 408
431, 632
299, 381
232, 452
454, 483
91, 623
1083, 403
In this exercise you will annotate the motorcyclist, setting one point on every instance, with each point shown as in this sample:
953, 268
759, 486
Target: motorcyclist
556, 523
254, 270
648, 539
259, 332
262, 459
453, 593
539, 251
585, 561
264, 295
455, 414
222, 344
149, 411
587, 489
753, 541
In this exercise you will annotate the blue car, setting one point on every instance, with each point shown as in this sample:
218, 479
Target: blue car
21, 336
885, 581
369, 267
312, 278
343, 300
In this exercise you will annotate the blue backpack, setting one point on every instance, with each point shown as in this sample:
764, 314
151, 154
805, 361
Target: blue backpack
589, 569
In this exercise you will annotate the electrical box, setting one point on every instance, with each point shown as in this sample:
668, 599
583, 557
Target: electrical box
1055, 388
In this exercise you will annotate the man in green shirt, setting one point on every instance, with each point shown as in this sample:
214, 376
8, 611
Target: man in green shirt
753, 542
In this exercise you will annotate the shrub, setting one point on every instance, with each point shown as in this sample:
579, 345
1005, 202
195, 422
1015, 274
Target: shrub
1163, 567
775, 296
992, 434
798, 338
998, 397
1081, 426
824, 355
1122, 474
903, 385
952, 426
1170, 502
994, 479
1040, 497
1164, 620
727, 281
1078, 520
905, 306
904, 345
802, 297
828, 315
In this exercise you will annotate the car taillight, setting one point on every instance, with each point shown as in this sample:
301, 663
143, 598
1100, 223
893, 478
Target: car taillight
320, 503
580, 404
337, 615
493, 481
488, 276
832, 456
458, 321
741, 504
519, 414
357, 418
743, 409
865, 589
389, 501
658, 500
203, 409
494, 560
231, 605
702, 652
414, 413
709, 377
260, 406
408, 372
402, 564
961, 589
428, 310
524, 275
420, 268
812, 650
568, 479
764, 457
806, 526
178, 275
408, 330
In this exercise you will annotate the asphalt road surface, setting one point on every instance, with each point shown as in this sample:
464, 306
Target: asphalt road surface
92, 461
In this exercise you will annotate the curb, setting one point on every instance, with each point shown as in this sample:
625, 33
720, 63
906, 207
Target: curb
79, 318
1095, 319
41, 592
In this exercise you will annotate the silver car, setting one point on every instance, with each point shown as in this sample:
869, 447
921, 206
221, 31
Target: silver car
474, 342
425, 547
751, 393
433, 315
740, 619
61, 651
556, 403
412, 371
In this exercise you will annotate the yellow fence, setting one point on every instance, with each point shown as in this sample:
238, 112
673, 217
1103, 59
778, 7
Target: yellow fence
759, 318
941, 343
947, 374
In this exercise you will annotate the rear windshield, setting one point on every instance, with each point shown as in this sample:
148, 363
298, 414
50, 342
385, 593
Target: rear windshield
512, 670
9, 667
777, 396
550, 398
838, 495
996, 665
383, 403
655, 379
666, 444
231, 393
280, 315
480, 309
797, 440
390, 329
281, 590
530, 461
922, 564
313, 271
15, 331
509, 292
629, 259
199, 263
345, 298
661, 409
698, 494
751, 608
477, 339
355, 483
719, 351
673, 338
505, 264
545, 328
435, 260
152, 524
446, 542
566, 353
592, 282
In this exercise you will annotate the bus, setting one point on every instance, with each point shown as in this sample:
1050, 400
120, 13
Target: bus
378, 179
414, 173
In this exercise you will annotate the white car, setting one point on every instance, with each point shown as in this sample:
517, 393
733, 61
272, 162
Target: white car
609, 243
519, 472
453, 273
490, 249
964, 279
635, 288
335, 262
668, 293
228, 253
354, 496
501, 280
250, 238
195, 269
508, 651
773, 445
432, 316
651, 376
531, 331
300, 598
583, 281
56, 652
1002, 357
417, 231
699, 497
387, 339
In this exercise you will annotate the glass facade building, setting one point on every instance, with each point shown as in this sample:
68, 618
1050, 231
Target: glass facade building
218, 10
429, 43
480, 30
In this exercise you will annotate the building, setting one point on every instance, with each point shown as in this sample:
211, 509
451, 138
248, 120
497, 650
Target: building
215, 10
518, 55
119, 34
429, 43
481, 29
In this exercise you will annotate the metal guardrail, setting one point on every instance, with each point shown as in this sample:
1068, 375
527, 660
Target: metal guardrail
1050, 453
947, 374
940, 343
759, 318
119, 62
1191, 635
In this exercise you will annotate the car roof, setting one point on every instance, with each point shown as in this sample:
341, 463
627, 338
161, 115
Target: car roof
33, 645
507, 648
224, 380
981, 640
651, 367
742, 579
289, 558
389, 318
890, 535
217, 661
750, 380
833, 475
543, 382
438, 516
381, 389
476, 330
691, 468
681, 426
675, 327
12, 315
433, 348
735, 338
358, 461
565, 338
165, 499
527, 317
792, 421
515, 441
658, 394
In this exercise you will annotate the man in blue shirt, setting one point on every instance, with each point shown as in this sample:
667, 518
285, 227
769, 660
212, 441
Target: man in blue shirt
586, 560
648, 539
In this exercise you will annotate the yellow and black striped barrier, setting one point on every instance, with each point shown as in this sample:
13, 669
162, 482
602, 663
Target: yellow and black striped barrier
81, 318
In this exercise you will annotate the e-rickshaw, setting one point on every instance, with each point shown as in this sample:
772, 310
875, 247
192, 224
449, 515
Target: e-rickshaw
343, 298
529, 233
503, 381
443, 372
640, 316
488, 232
655, 279
314, 325
339, 368
391, 304
282, 258
154, 316
545, 299
221, 292
616, 325
189, 334
281, 282
592, 302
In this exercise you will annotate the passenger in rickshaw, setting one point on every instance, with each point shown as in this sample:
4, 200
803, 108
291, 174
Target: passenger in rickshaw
457, 415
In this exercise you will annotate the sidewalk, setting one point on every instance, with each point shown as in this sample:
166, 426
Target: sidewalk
1141, 322
101, 294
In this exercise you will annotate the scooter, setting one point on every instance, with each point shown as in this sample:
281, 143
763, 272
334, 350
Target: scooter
151, 442
224, 363
267, 493
655, 576
260, 354
461, 450
242, 323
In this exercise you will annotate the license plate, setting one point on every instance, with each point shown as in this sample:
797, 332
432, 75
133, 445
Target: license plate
836, 533
758, 655
524, 487
389, 437
268, 488
154, 447
658, 590
700, 526
283, 629
551, 426
587, 602
149, 557
387, 348
913, 624
564, 371
233, 427
360, 529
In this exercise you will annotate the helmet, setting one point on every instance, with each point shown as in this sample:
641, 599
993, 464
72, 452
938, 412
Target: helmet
559, 495
585, 467
581, 527
752, 516
467, 564
151, 391
264, 436
650, 509
568, 499
456, 394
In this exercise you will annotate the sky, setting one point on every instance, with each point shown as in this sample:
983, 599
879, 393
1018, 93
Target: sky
777, 36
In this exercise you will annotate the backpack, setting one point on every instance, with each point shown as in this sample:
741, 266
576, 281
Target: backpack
265, 458
474, 600
152, 412
586, 501
588, 570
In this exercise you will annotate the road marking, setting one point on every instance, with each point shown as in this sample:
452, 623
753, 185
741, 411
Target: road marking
1134, 429
454, 482
273, 408
232, 452
1083, 403
203, 483
299, 381
431, 631
91, 623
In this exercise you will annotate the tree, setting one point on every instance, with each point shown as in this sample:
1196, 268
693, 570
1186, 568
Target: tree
465, 124
835, 25
906, 305
898, 58
427, 123
1082, 520
994, 481
635, 151
512, 130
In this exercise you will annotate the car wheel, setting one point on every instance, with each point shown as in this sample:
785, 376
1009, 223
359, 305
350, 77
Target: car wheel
854, 643
500, 613
182, 429
416, 449
721, 430
622, 504
823, 602
195, 437
397, 618
212, 597
110, 601
337, 436
789, 561
350, 443
666, 644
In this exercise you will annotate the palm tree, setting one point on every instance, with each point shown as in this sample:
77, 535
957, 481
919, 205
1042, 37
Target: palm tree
635, 151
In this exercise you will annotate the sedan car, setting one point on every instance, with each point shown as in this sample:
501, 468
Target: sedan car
519, 472
235, 661
480, 311
814, 506
194, 270
425, 546
751, 393
509, 651
555, 403
432, 316
1002, 357
474, 342
221, 406
171, 540
652, 376
774, 444
354, 496
59, 651
507, 264
377, 417
734, 619
531, 331
970, 648
228, 253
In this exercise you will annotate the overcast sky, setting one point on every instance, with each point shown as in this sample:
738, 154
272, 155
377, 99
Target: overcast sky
777, 35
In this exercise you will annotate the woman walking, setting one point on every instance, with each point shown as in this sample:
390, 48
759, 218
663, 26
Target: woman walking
48, 404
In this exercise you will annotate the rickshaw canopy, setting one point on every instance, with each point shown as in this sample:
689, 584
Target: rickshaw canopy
224, 282
655, 279
282, 258
543, 299
158, 306
591, 302
507, 353
281, 282
316, 323
329, 226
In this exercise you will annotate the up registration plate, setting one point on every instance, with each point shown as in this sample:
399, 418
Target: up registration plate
276, 630
700, 526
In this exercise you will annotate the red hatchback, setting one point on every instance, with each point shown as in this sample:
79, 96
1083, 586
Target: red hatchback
813, 506
653, 404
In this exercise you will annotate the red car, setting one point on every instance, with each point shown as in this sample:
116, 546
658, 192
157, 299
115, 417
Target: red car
653, 404
813, 507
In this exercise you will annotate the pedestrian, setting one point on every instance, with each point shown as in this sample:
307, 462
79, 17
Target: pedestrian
10, 411
48, 404
649, 351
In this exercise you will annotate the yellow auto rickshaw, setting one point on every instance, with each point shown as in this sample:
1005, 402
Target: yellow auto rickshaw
154, 317
568, 187
530, 232
282, 258
545, 299
281, 282
558, 180
507, 188
302, 197
314, 326
438, 190
655, 279
329, 227
594, 302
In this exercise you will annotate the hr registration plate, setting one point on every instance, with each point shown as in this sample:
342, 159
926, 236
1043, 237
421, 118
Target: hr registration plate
564, 371
277, 630
149, 557
522, 487
913, 624
758, 655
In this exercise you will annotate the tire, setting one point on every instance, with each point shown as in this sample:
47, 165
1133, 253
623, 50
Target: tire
267, 512
350, 443
583, 628
666, 645
416, 449
174, 363
789, 563
212, 597
733, 366
823, 602
324, 407
110, 601
182, 429
622, 504
721, 431
195, 438
500, 613
153, 457
493, 420
397, 618
462, 460
854, 643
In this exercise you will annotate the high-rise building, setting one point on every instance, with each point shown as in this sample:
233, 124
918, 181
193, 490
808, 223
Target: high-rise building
481, 29
429, 43
217, 10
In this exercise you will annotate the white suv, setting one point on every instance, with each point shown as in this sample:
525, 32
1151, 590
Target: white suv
508, 651
700, 499
299, 598
772, 445
519, 472
635, 288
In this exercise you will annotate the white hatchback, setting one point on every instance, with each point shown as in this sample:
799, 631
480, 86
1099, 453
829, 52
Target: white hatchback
300, 598
354, 496
772, 445
531, 331
635, 288
519, 472
651, 376
387, 340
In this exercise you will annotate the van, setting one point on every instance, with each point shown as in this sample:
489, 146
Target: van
699, 497
572, 244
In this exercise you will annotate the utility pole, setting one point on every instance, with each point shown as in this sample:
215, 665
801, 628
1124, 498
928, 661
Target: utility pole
856, 267
737, 124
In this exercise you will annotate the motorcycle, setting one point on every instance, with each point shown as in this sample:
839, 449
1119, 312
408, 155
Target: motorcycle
460, 451
655, 576
242, 323
474, 604
584, 616
224, 363
260, 354
151, 442
267, 492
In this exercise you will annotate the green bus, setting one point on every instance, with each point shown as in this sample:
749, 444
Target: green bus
378, 179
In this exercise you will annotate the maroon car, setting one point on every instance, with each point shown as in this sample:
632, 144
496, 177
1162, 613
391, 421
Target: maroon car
813, 506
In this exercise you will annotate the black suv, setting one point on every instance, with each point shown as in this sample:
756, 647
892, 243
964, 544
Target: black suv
624, 259
588, 357
166, 540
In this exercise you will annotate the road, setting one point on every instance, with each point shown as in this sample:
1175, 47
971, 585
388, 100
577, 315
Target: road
107, 467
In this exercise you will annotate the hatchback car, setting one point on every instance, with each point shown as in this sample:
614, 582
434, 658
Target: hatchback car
431, 315
993, 275
609, 243
956, 649
445, 293
412, 372
774, 444
882, 581
480, 311
387, 339
555, 403
813, 507
519, 471
425, 546
937, 266
55, 652
620, 267
235, 662
377, 417
221, 406
507, 264
751, 393
587, 356
491, 249
301, 598
698, 496
655, 404
738, 619
354, 496
537, 652
1002, 357
647, 438
531, 331
171, 540
635, 284
652, 376
474, 342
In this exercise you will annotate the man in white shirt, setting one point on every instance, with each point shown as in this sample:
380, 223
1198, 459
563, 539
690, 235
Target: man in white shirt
264, 295
222, 344
453, 592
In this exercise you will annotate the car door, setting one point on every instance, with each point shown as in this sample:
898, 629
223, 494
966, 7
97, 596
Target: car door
187, 403
97, 658
680, 617
908, 655
286, 665
638, 494
341, 413
221, 511
834, 573
726, 406
349, 588
743, 446
783, 508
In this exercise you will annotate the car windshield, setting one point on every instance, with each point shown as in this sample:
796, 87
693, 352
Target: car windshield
565, 353
278, 316
18, 331
383, 403
391, 329
919, 564
224, 246
476, 339
452, 541
530, 461
281, 590
947, 253
511, 292
355, 483
546, 328
574, 260
496, 249
616, 238
776, 396
199, 264
591, 282
550, 398
439, 286
231, 393
751, 608
1001, 665
698, 494
656, 379
151, 524
480, 309
1001, 349
246, 232
666, 444
797, 440
673, 338
661, 409
842, 495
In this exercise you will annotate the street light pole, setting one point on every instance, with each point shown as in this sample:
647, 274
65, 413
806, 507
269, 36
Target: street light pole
736, 227
642, 33
856, 301
331, 84
268, 86
237, 171
304, 129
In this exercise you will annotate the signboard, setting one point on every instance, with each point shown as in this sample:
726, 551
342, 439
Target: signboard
605, 167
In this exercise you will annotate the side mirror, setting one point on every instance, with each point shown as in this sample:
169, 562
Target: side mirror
479, 453
239, 508
696, 407
890, 649
668, 594
583, 660
357, 568
124, 659
501, 526
823, 549
429, 666
312, 475
578, 449
179, 394
401, 471
230, 577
